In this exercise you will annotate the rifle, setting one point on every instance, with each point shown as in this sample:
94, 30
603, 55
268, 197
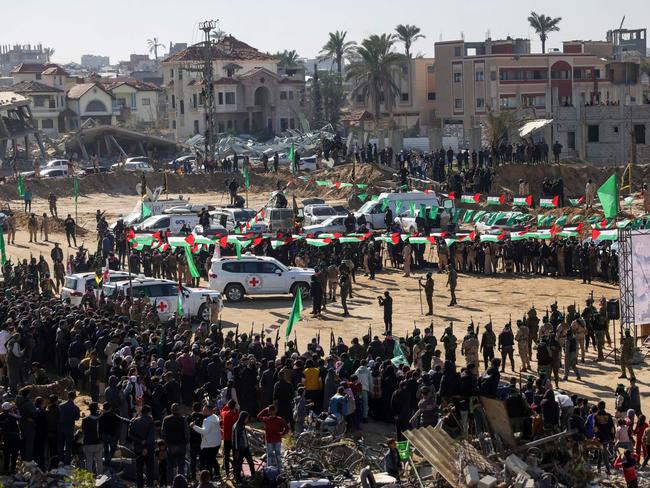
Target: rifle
471, 322
318, 337
510, 320
546, 312
237, 335
250, 336
369, 333
277, 340
332, 341
295, 340
262, 333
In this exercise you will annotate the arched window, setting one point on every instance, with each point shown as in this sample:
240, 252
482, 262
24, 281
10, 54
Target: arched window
96, 106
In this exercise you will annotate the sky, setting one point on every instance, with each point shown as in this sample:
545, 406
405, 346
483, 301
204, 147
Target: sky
121, 27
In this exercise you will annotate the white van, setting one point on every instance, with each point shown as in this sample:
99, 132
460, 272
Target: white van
172, 222
157, 208
372, 210
278, 219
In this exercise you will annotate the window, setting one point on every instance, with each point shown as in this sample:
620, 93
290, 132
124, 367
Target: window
480, 103
233, 267
196, 126
194, 100
560, 75
220, 98
458, 77
571, 140
267, 268
49, 124
493, 75
222, 127
40, 101
509, 101
431, 96
229, 124
230, 98
360, 98
458, 103
38, 76
593, 133
290, 93
597, 73
431, 68
292, 123
133, 101
536, 74
182, 106
639, 133
171, 73
404, 97
283, 95
180, 74
511, 75
173, 101
146, 102
479, 76
457, 51
174, 124
284, 124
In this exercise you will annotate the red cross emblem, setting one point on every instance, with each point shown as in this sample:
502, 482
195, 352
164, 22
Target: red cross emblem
254, 282
162, 306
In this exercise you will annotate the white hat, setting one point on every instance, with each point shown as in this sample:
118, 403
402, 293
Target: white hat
7, 406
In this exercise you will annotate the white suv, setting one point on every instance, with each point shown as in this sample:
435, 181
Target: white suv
257, 275
75, 285
164, 294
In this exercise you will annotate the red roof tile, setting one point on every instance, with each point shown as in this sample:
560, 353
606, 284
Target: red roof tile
29, 68
34, 87
55, 69
226, 81
229, 48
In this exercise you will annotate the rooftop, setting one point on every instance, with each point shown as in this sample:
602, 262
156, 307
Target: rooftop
34, 87
78, 91
229, 48
29, 68
55, 70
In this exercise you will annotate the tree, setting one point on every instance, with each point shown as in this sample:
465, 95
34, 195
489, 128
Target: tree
217, 35
49, 52
153, 46
288, 59
499, 126
372, 72
543, 24
337, 49
408, 34
326, 99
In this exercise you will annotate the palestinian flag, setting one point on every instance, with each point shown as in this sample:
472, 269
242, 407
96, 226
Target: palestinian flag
451, 195
574, 202
180, 311
500, 200
523, 201
493, 238
604, 235
245, 175
471, 199
549, 202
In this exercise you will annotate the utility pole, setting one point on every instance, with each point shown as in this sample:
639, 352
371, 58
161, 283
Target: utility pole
205, 67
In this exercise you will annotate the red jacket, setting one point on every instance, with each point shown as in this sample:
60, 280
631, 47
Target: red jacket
628, 467
274, 427
228, 419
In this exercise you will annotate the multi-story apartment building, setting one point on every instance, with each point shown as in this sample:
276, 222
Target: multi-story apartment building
17, 54
252, 93
473, 78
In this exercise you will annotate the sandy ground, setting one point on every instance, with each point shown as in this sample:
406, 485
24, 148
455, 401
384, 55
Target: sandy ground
478, 297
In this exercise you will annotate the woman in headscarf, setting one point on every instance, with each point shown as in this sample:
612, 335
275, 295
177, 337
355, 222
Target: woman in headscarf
241, 446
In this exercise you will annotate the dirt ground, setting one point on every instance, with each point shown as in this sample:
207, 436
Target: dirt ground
479, 297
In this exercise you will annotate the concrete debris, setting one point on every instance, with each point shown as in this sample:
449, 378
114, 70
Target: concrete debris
28, 474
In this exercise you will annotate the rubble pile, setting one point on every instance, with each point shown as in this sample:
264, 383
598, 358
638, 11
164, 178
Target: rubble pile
28, 474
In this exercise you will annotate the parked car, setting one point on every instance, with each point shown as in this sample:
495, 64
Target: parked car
172, 222
164, 295
317, 213
139, 163
331, 225
257, 275
75, 285
230, 218
55, 173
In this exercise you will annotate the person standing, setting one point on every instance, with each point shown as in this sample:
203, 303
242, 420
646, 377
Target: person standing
142, 431
32, 227
70, 230
241, 446
407, 255
10, 226
522, 339
10, 436
604, 430
275, 428
176, 434
68, 414
51, 199
387, 303
488, 341
346, 287
229, 416
452, 281
428, 292
570, 355
27, 411
92, 440
210, 440
506, 346
316, 296
27, 197
627, 354
590, 193
45, 228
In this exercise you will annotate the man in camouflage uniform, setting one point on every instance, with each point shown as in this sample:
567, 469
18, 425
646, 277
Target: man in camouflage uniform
602, 311
470, 348
523, 338
600, 327
556, 317
579, 331
546, 329
532, 322
588, 316
450, 342
627, 354
488, 341
562, 329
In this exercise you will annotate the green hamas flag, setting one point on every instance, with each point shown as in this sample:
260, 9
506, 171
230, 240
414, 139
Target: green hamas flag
180, 311
146, 211
384, 204
608, 196
412, 208
398, 356
467, 216
244, 173
291, 156
3, 252
433, 212
190, 263
398, 206
21, 187
296, 310
75, 189
362, 196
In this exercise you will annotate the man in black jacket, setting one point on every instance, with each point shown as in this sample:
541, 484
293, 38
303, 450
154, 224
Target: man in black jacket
92, 441
176, 433
142, 433
489, 382
400, 404
110, 426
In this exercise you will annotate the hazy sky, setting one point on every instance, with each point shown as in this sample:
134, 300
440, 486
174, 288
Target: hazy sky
121, 27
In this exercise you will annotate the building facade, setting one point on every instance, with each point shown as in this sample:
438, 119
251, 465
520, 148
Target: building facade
251, 93
135, 103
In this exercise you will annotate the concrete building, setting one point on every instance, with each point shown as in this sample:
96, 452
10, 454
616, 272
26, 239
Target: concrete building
17, 54
629, 40
134, 103
473, 78
91, 100
48, 104
252, 94
94, 62
16, 124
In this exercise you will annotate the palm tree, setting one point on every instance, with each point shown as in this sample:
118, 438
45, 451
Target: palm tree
543, 24
153, 46
217, 35
372, 71
288, 59
49, 52
408, 34
337, 49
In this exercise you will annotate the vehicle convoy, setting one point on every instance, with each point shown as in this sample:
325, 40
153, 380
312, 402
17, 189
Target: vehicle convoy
374, 210
156, 208
317, 213
257, 275
76, 284
163, 294
172, 222
331, 225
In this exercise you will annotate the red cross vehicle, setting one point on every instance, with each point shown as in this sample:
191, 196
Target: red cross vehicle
254, 282
162, 306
